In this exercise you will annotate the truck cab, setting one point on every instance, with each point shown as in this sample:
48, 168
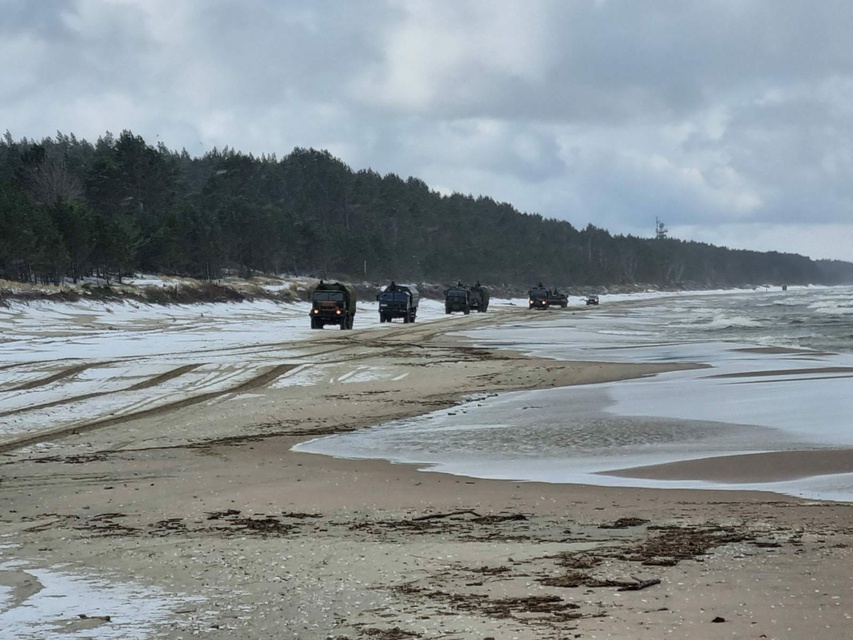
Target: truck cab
398, 301
457, 298
478, 297
537, 298
332, 303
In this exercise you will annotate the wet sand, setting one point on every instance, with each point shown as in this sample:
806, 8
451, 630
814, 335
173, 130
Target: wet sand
775, 466
209, 500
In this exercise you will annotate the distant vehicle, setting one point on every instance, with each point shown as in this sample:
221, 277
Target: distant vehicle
332, 303
557, 299
478, 298
398, 301
538, 297
592, 299
457, 298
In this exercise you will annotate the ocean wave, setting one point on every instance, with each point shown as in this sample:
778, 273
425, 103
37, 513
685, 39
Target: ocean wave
722, 321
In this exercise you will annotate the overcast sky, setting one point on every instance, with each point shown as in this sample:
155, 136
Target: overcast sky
731, 120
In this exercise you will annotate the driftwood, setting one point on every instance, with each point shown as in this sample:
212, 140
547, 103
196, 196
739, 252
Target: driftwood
436, 516
640, 584
83, 616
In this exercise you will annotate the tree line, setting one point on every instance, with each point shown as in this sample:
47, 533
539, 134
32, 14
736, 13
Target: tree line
71, 209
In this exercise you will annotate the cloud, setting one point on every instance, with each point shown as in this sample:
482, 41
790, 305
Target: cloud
724, 115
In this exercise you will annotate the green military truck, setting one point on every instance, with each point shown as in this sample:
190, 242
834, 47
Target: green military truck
398, 301
538, 297
332, 303
478, 298
457, 298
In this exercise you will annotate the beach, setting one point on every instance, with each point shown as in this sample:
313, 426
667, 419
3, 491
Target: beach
196, 503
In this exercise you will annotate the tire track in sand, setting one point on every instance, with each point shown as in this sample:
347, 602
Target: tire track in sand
60, 432
145, 384
59, 375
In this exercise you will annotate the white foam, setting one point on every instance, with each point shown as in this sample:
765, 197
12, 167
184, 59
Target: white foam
135, 612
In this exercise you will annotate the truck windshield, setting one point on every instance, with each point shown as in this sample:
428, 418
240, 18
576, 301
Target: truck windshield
334, 296
394, 296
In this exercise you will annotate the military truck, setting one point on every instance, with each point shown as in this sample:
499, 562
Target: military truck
332, 303
557, 299
538, 297
398, 301
457, 298
478, 298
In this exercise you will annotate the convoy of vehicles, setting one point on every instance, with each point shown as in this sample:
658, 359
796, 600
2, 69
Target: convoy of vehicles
335, 302
398, 301
332, 303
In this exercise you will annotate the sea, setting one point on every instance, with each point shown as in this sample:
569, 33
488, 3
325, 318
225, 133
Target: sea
776, 375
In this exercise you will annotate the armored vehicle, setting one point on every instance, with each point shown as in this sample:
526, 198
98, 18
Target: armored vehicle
592, 299
398, 301
557, 299
478, 298
457, 298
332, 303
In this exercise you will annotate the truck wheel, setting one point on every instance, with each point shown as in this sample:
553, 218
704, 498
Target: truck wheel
447, 310
466, 311
315, 324
413, 318
350, 322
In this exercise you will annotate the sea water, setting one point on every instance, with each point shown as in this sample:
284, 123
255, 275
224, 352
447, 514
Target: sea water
778, 376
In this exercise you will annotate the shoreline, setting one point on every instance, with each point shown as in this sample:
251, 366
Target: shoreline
211, 501
763, 467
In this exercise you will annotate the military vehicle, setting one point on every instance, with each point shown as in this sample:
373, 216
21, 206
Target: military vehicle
332, 303
557, 299
478, 298
398, 301
538, 297
457, 298
592, 299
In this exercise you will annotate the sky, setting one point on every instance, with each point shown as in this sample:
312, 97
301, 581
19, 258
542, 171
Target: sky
729, 120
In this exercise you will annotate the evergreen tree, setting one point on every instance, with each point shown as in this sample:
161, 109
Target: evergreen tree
69, 208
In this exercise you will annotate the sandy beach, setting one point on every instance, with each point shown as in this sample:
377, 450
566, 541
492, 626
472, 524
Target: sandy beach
203, 501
